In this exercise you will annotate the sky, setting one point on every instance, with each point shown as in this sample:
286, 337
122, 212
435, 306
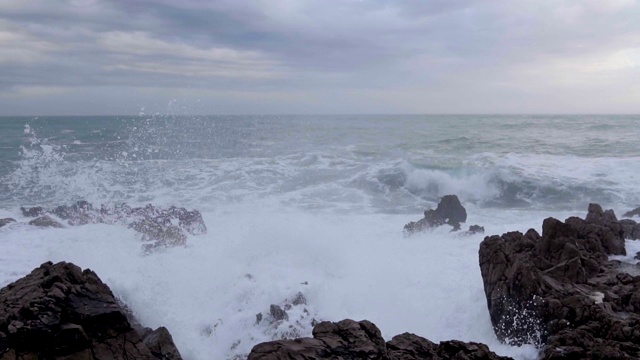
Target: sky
117, 57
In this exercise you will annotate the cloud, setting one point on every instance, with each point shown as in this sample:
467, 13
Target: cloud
338, 55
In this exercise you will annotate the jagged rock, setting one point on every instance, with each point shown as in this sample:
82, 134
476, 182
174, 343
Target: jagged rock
61, 312
632, 213
6, 221
449, 211
560, 291
162, 227
45, 221
349, 339
346, 339
162, 234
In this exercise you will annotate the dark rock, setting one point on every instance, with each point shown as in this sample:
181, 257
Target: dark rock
32, 212
630, 229
350, 339
61, 312
160, 343
560, 291
346, 339
632, 213
6, 221
277, 313
449, 211
299, 299
45, 221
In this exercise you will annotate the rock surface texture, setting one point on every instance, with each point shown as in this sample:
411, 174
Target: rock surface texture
559, 290
159, 226
61, 312
349, 339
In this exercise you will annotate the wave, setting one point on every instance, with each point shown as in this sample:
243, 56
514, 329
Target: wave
336, 178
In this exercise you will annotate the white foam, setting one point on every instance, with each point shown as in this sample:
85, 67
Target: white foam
357, 266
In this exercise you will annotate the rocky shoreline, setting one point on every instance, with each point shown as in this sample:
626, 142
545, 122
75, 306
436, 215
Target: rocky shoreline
558, 290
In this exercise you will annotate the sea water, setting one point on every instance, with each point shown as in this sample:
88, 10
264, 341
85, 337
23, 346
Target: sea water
309, 204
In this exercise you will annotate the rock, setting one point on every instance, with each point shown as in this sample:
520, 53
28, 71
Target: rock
559, 290
6, 221
61, 312
162, 227
449, 211
474, 229
32, 212
162, 234
349, 339
632, 213
160, 343
45, 221
630, 229
346, 339
277, 313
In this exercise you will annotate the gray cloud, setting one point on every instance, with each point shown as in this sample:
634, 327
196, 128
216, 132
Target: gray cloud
282, 56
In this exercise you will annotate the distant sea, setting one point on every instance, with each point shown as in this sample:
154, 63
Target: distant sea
311, 204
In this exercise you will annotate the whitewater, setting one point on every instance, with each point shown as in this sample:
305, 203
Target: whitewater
306, 204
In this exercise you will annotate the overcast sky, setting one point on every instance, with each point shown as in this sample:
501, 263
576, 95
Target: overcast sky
319, 56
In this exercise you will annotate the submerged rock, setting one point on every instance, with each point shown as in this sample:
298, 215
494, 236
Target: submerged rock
632, 213
6, 221
45, 221
349, 339
559, 290
449, 211
159, 226
61, 312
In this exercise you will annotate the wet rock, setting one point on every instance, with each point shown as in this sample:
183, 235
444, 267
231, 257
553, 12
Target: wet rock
559, 290
349, 339
159, 226
345, 339
61, 312
45, 221
161, 234
277, 313
6, 221
630, 229
632, 213
474, 229
449, 211
32, 211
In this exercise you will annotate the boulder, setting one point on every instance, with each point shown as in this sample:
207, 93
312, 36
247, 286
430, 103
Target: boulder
6, 221
61, 312
560, 291
45, 221
349, 339
449, 211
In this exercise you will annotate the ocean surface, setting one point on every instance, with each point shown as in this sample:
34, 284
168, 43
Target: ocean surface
310, 204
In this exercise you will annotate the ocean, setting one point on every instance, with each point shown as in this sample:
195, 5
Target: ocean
306, 204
